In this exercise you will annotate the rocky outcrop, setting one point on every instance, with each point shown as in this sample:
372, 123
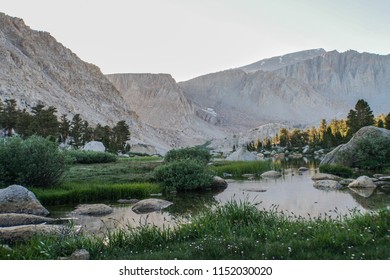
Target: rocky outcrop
150, 205
242, 154
92, 210
18, 199
338, 155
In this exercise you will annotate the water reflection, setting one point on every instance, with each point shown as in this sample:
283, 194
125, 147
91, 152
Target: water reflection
293, 193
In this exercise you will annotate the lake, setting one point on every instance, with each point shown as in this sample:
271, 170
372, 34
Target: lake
293, 194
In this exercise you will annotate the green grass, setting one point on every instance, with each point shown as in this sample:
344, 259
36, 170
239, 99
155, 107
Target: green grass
93, 191
337, 169
234, 231
238, 168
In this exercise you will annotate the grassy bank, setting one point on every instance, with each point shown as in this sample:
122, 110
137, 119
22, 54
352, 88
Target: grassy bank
234, 231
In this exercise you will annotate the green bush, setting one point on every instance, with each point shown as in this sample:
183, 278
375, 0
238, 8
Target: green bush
89, 157
372, 153
35, 161
336, 169
183, 175
200, 154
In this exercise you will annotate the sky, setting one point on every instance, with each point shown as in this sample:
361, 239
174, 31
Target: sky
189, 38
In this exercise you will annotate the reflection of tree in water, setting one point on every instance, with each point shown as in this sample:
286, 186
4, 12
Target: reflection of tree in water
190, 203
376, 201
309, 162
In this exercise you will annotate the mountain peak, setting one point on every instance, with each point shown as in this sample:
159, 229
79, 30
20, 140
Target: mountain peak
277, 62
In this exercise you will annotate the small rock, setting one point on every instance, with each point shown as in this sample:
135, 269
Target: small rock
271, 174
219, 183
302, 169
327, 184
92, 209
325, 176
128, 201
150, 205
81, 254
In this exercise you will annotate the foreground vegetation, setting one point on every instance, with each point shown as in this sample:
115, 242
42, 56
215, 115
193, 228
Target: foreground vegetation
237, 230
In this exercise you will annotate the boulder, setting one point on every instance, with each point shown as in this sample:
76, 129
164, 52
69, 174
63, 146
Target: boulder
150, 205
242, 154
325, 176
346, 182
143, 149
92, 210
15, 219
327, 184
335, 156
24, 232
219, 183
362, 182
128, 201
94, 146
271, 174
302, 169
18, 199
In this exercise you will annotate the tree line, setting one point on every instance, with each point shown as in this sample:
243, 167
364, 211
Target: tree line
43, 121
327, 135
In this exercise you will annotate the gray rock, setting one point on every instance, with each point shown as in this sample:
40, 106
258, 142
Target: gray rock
92, 210
143, 149
346, 182
80, 254
94, 146
302, 169
377, 176
325, 176
336, 156
18, 199
219, 183
24, 232
242, 155
362, 182
271, 174
363, 192
150, 205
327, 184
128, 201
16, 219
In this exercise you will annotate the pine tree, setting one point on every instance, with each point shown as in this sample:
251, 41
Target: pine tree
64, 128
24, 124
9, 116
360, 117
387, 121
120, 135
44, 121
76, 130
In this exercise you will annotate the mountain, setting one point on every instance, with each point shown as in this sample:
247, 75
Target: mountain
161, 104
297, 89
35, 68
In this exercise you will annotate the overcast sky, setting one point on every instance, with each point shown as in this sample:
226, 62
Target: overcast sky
188, 38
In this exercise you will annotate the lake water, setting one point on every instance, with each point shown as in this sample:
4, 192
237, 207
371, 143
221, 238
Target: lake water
293, 193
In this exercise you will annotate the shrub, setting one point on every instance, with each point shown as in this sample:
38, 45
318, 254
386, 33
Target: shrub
337, 169
88, 157
35, 161
370, 153
200, 154
183, 175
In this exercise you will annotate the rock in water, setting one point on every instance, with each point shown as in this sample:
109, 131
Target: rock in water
93, 209
327, 184
271, 174
150, 205
18, 199
362, 182
14, 219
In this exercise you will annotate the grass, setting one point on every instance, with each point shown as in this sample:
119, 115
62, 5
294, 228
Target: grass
337, 169
85, 183
238, 168
237, 230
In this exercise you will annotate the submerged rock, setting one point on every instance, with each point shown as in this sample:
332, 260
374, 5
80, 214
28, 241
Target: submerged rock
18, 199
150, 205
325, 176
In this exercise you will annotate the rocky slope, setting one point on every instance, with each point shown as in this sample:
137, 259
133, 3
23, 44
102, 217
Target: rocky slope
35, 68
161, 105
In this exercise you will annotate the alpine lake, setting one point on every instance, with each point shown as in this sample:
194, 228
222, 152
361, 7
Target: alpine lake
292, 194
